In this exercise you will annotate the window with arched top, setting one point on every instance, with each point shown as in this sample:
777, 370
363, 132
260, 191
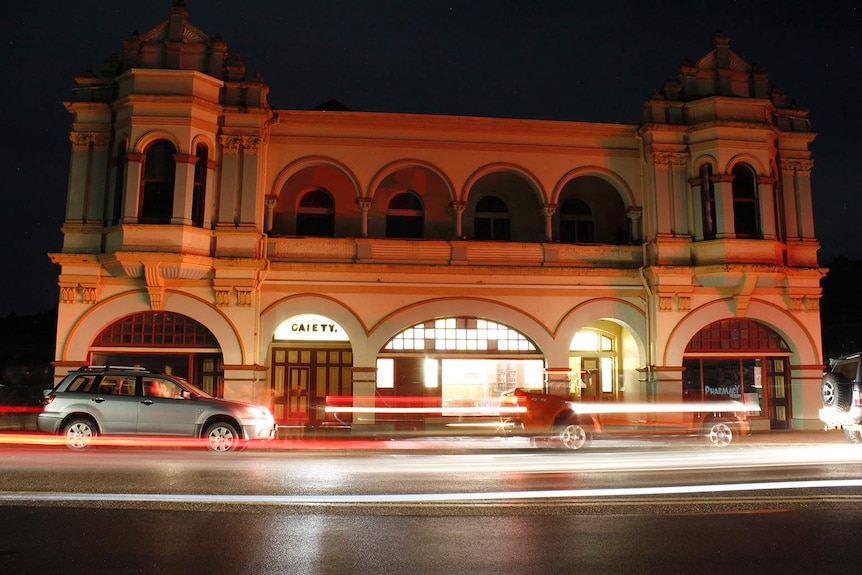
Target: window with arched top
491, 221
745, 209
315, 214
577, 225
157, 184
199, 189
405, 217
707, 202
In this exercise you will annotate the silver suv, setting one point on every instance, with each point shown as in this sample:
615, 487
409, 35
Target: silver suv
118, 400
841, 394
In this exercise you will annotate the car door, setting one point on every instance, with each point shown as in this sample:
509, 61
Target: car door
115, 410
162, 409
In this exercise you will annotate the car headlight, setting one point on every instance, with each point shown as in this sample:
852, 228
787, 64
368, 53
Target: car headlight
258, 412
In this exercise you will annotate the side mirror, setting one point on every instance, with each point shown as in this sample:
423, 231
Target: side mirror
186, 394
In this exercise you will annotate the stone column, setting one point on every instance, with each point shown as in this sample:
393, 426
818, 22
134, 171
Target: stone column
133, 187
228, 207
791, 202
248, 205
766, 207
184, 185
78, 177
696, 217
459, 208
270, 202
663, 202
634, 214
364, 205
97, 178
724, 225
548, 211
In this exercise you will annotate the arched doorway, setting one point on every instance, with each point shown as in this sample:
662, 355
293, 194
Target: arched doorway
743, 360
455, 363
163, 341
311, 359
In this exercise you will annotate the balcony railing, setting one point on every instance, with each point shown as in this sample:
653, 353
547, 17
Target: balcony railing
451, 252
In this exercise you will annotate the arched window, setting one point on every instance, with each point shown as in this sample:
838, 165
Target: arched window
157, 184
707, 202
315, 215
491, 221
405, 217
576, 222
200, 187
745, 212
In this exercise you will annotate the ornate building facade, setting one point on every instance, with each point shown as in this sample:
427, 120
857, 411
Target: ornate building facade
286, 257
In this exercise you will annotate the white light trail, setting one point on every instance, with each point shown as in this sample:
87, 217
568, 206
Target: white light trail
422, 497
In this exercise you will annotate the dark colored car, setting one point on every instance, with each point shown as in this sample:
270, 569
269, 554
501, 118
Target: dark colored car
841, 395
128, 401
572, 425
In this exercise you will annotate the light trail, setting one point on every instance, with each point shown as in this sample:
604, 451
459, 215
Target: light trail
477, 497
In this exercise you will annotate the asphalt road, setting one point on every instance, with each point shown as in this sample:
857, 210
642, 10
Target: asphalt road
790, 504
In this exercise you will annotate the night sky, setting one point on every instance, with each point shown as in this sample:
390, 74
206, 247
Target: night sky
538, 59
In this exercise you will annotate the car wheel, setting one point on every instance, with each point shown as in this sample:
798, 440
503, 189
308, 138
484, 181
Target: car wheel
222, 436
719, 433
835, 393
573, 436
79, 433
854, 436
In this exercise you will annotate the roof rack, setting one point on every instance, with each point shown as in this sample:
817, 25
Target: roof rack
123, 367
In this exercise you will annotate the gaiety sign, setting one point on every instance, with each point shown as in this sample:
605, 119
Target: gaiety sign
310, 327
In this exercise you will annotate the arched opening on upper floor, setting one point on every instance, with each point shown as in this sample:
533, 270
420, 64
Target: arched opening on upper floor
746, 212
317, 200
157, 183
421, 199
504, 205
591, 210
405, 216
315, 214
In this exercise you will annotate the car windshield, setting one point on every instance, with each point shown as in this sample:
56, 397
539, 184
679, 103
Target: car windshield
192, 387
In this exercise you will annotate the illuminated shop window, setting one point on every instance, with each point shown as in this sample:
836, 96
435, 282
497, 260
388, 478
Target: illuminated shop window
460, 334
593, 363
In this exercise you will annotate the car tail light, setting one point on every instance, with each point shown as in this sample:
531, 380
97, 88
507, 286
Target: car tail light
857, 397
48, 399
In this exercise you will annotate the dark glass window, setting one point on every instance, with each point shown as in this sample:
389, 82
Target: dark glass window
200, 187
491, 221
157, 184
737, 335
576, 222
745, 212
315, 215
405, 217
156, 329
